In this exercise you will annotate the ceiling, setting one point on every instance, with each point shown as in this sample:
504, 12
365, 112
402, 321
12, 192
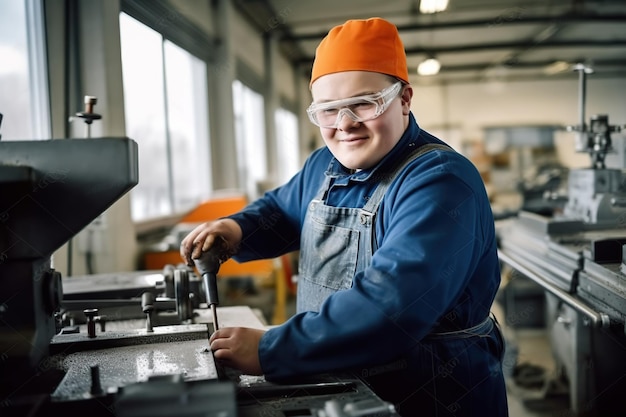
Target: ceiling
473, 39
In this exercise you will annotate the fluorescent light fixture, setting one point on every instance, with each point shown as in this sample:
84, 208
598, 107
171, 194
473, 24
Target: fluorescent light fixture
557, 67
430, 66
433, 6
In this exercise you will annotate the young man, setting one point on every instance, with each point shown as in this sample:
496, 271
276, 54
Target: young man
398, 263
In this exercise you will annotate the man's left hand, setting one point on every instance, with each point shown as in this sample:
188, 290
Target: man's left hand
237, 347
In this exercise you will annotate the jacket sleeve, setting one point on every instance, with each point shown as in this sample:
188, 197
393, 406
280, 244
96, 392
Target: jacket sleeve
432, 246
271, 225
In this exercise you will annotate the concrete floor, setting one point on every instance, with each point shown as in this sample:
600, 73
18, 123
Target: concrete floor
529, 349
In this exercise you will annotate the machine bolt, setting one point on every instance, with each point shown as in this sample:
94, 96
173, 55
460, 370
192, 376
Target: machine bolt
96, 387
91, 313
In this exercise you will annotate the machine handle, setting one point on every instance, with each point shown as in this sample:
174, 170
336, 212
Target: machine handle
210, 283
597, 319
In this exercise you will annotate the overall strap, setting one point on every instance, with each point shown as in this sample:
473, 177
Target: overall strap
323, 190
389, 176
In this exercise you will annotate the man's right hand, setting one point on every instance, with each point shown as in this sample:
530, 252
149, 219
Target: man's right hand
202, 237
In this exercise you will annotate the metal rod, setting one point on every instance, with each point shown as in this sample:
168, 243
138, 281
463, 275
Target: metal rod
161, 304
582, 144
597, 319
214, 311
582, 96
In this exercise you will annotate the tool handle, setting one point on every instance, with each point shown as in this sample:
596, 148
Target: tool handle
209, 261
210, 285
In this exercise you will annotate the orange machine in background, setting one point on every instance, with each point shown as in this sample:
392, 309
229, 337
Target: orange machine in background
274, 271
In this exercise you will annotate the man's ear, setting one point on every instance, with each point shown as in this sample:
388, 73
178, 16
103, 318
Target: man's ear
407, 95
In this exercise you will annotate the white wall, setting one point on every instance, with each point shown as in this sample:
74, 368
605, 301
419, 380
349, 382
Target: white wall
284, 73
468, 108
247, 44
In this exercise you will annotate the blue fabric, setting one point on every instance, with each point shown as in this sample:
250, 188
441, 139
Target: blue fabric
435, 270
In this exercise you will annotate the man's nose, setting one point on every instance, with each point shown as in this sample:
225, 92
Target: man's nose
345, 123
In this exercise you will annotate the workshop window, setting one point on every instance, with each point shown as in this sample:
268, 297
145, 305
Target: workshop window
23, 72
166, 110
250, 138
287, 144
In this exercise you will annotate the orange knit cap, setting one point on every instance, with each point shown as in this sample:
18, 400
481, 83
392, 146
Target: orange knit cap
361, 45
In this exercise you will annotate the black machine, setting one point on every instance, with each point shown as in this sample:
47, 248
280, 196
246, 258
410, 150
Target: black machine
128, 344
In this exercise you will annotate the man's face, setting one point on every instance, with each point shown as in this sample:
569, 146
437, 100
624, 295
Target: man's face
361, 145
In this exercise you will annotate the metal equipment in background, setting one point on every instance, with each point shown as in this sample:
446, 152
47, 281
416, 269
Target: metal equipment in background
88, 115
578, 256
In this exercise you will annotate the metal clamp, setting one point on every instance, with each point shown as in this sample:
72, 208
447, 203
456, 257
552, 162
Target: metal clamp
597, 319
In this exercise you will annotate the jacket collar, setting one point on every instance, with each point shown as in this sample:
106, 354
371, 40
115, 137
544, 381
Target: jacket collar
409, 140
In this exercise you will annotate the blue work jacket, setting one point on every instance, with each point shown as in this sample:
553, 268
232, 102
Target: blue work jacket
435, 268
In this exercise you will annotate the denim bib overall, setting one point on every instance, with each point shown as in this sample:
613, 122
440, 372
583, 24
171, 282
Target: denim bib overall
338, 242
331, 238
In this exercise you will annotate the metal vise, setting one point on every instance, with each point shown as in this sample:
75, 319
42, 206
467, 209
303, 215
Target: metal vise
51, 190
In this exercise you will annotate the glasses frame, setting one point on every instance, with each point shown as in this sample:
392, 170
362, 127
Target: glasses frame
381, 100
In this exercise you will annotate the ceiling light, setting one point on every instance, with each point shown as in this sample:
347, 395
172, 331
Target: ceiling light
557, 67
433, 6
429, 66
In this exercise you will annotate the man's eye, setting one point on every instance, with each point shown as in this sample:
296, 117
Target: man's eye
361, 105
330, 111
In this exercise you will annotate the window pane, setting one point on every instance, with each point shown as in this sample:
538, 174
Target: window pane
23, 74
250, 136
188, 128
144, 104
288, 149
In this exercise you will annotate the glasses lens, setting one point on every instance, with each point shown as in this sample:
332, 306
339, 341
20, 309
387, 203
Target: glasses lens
359, 109
364, 109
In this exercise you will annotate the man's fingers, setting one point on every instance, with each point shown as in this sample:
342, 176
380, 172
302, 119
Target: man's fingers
188, 245
220, 334
208, 242
201, 243
184, 250
192, 247
220, 345
223, 354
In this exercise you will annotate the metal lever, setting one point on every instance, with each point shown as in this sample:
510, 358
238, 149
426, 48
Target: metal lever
147, 306
208, 264
598, 319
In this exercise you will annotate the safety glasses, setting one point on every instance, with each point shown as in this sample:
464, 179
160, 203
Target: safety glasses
360, 109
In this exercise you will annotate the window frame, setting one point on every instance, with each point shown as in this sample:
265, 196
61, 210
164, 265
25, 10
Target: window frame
185, 35
40, 127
